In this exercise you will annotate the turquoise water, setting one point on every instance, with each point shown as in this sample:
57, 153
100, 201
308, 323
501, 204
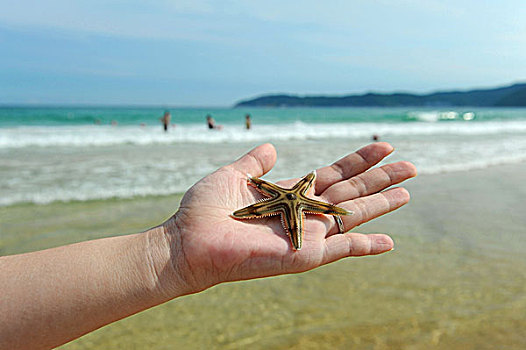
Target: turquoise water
67, 116
64, 154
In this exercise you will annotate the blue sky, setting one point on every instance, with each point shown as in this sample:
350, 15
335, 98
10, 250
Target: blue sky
214, 53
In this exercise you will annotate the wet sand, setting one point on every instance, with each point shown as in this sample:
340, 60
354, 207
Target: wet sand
456, 279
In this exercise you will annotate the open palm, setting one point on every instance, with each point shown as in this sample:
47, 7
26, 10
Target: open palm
209, 246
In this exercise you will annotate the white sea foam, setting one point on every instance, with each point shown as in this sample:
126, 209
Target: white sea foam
473, 164
435, 116
46, 164
81, 136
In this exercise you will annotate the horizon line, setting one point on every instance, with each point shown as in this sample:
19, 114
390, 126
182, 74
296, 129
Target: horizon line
235, 104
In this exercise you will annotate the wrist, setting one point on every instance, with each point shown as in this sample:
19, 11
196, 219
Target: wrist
164, 260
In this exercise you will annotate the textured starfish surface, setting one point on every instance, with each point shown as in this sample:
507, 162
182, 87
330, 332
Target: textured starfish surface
292, 204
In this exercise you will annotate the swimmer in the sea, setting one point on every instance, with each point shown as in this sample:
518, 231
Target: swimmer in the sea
248, 122
166, 120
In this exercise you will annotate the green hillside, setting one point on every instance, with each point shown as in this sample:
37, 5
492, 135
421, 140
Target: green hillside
509, 96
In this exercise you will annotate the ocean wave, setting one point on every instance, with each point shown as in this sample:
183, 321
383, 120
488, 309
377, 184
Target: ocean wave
72, 195
472, 165
436, 116
81, 136
74, 174
95, 192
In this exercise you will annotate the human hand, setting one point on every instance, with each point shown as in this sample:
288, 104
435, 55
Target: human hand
208, 246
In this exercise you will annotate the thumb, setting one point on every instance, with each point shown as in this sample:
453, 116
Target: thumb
257, 162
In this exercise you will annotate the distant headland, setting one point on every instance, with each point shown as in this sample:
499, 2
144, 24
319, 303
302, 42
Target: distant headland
508, 96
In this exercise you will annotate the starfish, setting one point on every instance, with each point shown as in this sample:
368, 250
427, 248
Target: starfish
292, 204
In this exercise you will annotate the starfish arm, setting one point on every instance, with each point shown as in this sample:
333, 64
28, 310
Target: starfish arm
265, 187
318, 207
305, 183
292, 220
262, 208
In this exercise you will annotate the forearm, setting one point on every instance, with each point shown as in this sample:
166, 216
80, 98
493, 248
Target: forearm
50, 297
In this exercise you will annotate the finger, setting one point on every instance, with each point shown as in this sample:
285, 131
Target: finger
367, 208
257, 162
351, 165
355, 244
370, 182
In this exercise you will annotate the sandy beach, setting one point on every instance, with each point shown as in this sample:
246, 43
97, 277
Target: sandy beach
456, 279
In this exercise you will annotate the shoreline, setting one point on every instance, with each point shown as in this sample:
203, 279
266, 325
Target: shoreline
61, 223
520, 162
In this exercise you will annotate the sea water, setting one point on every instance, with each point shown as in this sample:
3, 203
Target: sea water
72, 153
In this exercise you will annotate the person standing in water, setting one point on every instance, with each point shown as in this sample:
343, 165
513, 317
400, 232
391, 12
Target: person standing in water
212, 123
166, 120
248, 122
